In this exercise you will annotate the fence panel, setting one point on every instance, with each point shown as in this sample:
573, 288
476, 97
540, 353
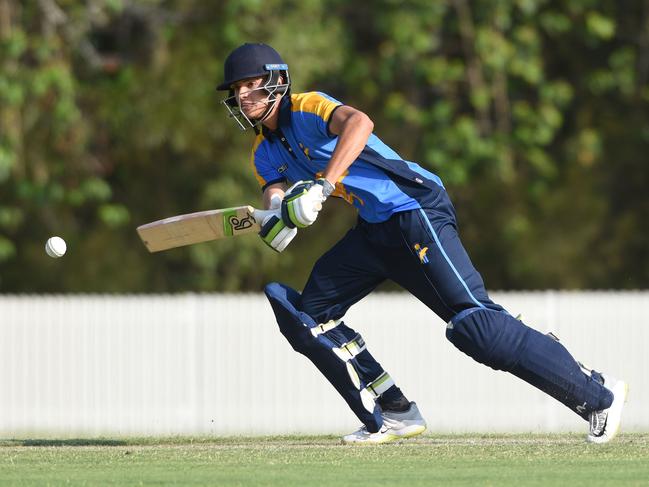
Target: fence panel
216, 364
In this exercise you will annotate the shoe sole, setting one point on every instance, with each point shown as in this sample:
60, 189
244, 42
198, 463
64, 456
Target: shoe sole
407, 432
410, 431
615, 413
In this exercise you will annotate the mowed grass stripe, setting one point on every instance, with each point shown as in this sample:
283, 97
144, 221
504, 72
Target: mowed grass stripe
321, 461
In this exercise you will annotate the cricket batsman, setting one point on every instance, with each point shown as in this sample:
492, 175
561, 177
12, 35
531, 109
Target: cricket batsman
310, 147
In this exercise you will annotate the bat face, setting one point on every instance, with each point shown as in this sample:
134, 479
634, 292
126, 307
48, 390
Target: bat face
203, 226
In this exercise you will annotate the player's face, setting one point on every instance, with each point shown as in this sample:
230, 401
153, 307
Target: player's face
251, 98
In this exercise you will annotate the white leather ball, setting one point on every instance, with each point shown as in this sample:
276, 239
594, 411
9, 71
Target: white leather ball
55, 247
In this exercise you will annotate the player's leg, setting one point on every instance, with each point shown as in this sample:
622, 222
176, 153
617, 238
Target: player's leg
334, 285
312, 325
443, 277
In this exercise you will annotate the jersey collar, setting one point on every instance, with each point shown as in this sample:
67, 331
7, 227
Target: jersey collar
284, 118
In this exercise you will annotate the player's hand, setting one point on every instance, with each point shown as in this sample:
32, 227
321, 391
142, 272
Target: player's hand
303, 201
275, 233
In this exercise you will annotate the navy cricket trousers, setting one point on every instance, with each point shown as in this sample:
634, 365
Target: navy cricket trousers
421, 251
418, 249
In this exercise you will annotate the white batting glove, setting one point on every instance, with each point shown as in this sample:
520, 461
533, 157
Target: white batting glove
274, 231
303, 201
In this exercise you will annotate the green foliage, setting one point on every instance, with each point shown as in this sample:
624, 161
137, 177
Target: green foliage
7, 249
533, 112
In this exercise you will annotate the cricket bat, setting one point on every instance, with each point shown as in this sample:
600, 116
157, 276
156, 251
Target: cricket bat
203, 226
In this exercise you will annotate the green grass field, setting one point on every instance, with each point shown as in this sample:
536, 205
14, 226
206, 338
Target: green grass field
498, 460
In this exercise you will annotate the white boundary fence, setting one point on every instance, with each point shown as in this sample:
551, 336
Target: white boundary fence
217, 365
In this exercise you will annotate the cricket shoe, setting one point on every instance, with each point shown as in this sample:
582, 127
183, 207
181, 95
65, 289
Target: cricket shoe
396, 426
605, 424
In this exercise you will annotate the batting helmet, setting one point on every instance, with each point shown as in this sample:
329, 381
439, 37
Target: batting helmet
250, 61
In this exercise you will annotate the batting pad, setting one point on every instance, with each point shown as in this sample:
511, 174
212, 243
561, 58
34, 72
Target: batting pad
334, 349
497, 339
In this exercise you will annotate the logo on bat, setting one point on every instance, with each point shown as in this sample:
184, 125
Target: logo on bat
240, 224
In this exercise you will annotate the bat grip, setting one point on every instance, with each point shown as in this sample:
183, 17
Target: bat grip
261, 215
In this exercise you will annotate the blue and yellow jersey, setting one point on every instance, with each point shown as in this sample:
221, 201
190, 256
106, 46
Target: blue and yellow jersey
379, 182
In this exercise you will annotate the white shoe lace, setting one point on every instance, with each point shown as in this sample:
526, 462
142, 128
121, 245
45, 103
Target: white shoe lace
362, 431
598, 422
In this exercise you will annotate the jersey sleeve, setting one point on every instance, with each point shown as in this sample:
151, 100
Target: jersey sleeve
264, 171
315, 110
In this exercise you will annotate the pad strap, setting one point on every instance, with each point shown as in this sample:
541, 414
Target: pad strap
379, 385
349, 350
324, 327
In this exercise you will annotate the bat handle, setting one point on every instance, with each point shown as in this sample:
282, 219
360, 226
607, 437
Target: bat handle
261, 215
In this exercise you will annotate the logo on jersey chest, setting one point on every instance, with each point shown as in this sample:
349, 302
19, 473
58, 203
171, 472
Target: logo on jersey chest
305, 150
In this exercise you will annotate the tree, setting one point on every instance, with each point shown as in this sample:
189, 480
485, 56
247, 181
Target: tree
533, 112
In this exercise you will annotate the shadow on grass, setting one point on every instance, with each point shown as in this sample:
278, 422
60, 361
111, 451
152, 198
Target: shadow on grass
66, 442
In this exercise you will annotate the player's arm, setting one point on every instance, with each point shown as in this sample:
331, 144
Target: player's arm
303, 201
353, 128
274, 232
273, 195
